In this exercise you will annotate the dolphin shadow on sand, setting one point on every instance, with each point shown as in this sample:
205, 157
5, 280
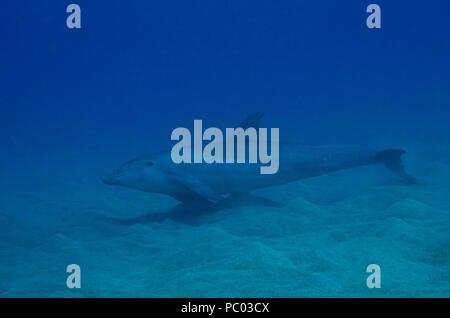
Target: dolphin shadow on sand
190, 213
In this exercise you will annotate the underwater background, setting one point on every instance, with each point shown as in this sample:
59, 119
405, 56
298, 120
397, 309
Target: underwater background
74, 104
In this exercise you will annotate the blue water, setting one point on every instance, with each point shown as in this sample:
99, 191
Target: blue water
77, 103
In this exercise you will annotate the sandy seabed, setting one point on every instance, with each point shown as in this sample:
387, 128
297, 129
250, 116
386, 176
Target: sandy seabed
317, 245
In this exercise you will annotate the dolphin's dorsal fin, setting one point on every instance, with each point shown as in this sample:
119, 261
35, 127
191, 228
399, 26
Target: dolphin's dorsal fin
252, 120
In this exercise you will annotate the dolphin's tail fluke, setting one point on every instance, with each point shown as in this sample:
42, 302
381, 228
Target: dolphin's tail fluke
392, 159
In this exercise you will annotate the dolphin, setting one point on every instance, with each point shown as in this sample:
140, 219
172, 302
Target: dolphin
191, 184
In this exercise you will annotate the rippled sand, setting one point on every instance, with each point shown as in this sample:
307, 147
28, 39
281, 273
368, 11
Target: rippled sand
318, 244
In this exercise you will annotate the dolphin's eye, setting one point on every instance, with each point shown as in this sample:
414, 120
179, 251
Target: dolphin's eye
149, 164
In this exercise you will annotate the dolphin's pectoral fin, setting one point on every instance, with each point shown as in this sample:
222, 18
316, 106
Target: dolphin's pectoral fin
201, 189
